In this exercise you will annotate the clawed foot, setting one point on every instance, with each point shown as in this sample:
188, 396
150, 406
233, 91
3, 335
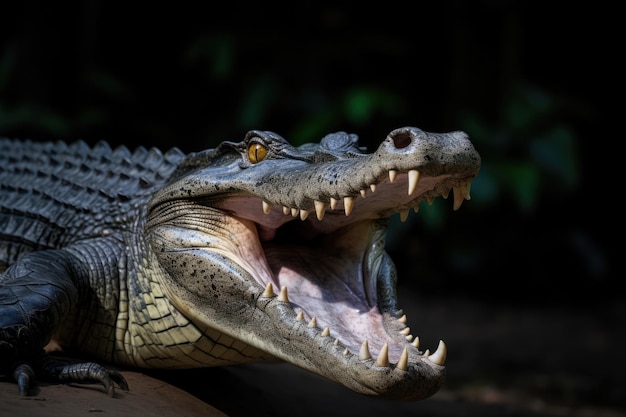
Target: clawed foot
84, 373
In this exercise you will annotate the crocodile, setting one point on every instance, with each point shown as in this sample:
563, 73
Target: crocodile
251, 251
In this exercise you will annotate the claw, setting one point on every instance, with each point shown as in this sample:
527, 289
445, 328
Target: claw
118, 379
25, 378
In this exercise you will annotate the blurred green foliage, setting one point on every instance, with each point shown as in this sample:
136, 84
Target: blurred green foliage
77, 72
527, 152
530, 151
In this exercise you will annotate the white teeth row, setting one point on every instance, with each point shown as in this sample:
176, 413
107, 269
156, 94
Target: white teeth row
438, 357
461, 192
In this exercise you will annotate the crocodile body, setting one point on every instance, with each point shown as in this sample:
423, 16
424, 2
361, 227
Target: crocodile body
252, 251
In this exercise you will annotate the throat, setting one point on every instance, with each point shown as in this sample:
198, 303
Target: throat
334, 278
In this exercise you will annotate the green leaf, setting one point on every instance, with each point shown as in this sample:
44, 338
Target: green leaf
527, 106
218, 51
485, 187
522, 180
556, 152
314, 127
434, 215
361, 104
257, 102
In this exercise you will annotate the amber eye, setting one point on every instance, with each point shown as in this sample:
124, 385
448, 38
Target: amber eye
256, 153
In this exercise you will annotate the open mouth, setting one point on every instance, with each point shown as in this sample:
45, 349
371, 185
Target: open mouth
332, 264
296, 248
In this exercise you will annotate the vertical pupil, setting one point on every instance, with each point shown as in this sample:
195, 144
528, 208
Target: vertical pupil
256, 153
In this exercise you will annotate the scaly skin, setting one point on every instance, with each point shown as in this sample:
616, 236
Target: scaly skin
252, 251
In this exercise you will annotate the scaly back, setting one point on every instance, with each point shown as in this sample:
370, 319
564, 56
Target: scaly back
52, 194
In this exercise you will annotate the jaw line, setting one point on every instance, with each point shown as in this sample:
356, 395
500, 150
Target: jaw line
410, 378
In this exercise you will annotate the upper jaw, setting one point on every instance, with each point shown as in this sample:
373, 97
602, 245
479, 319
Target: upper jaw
392, 192
409, 166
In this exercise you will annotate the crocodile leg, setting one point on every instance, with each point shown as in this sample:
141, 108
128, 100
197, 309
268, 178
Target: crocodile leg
37, 295
85, 372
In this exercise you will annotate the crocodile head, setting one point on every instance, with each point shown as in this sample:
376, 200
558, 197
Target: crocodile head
283, 248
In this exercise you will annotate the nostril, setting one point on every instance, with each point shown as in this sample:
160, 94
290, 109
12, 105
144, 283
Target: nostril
401, 140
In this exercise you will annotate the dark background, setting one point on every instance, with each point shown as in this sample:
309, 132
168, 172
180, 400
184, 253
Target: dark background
525, 272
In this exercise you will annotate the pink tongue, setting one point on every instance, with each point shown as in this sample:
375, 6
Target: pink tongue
317, 285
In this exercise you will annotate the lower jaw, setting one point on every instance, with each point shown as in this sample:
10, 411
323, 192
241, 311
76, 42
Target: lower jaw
310, 348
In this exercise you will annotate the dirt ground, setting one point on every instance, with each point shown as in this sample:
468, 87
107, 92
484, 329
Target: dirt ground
503, 360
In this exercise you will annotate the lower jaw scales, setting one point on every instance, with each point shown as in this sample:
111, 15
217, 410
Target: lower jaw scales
406, 375
382, 360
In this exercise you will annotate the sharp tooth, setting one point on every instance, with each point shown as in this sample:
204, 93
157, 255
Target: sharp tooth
373, 187
326, 332
333, 203
286, 210
269, 290
294, 212
304, 214
364, 353
439, 356
404, 214
458, 199
445, 194
416, 209
392, 175
403, 362
466, 186
364, 193
348, 204
430, 200
345, 352
408, 337
320, 209
416, 342
383, 357
405, 331
426, 353
313, 323
461, 192
283, 295
300, 316
402, 319
267, 207
336, 342
414, 178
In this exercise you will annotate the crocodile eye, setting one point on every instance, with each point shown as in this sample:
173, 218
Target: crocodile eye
256, 153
